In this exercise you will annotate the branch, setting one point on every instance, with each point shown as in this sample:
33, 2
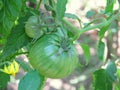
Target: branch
81, 31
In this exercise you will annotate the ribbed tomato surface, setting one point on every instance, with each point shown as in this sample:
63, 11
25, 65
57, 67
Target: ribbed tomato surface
53, 55
32, 27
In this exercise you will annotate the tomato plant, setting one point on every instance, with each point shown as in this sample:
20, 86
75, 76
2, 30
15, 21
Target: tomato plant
53, 54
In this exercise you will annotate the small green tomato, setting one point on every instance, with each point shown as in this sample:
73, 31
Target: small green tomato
32, 27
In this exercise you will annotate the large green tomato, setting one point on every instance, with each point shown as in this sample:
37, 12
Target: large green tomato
32, 27
53, 55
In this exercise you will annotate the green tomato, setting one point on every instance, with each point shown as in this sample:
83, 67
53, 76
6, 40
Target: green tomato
32, 27
53, 55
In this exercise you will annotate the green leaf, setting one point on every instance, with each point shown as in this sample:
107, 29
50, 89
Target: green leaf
17, 39
25, 65
104, 78
4, 78
9, 13
70, 15
119, 2
90, 13
110, 5
102, 51
118, 73
1, 4
49, 5
73, 16
60, 9
102, 31
116, 88
86, 50
101, 80
111, 70
33, 1
118, 84
31, 81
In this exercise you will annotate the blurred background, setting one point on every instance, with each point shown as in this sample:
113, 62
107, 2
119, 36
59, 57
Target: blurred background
81, 78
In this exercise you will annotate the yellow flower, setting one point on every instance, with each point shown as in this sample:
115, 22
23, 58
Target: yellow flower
12, 69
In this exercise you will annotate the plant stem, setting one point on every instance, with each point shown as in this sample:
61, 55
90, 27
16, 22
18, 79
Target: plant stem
38, 5
81, 31
21, 53
73, 29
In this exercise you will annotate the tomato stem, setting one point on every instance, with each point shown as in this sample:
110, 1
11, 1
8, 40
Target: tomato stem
79, 31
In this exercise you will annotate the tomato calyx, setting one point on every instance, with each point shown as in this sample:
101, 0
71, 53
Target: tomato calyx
65, 44
60, 39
